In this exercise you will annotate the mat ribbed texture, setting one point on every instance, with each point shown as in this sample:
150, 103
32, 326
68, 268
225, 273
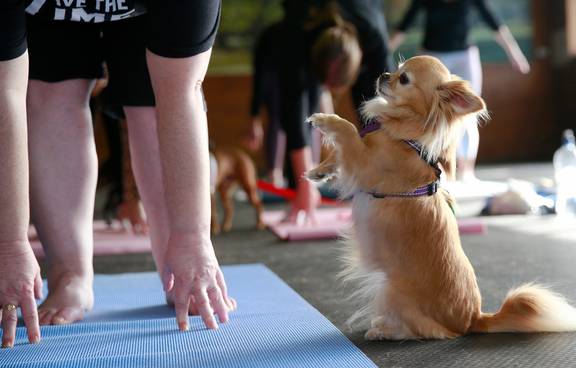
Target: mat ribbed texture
130, 326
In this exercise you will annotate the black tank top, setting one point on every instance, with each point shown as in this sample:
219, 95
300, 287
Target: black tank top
448, 22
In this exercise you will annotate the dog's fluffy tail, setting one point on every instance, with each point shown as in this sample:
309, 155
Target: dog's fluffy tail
529, 308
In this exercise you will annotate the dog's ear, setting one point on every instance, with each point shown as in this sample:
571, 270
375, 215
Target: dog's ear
460, 98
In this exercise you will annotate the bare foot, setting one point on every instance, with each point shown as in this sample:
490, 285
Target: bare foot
70, 296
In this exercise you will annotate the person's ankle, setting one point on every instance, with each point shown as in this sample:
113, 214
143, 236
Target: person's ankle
59, 273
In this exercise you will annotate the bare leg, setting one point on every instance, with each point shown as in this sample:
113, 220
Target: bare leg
214, 223
63, 172
254, 199
277, 172
145, 154
228, 204
468, 150
248, 182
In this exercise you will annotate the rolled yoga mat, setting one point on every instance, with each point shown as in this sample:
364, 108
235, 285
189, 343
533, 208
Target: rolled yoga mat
131, 326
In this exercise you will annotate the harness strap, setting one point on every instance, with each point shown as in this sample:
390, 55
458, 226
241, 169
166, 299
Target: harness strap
426, 190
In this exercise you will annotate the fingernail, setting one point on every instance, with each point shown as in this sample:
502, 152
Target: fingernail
7, 345
58, 321
35, 339
183, 326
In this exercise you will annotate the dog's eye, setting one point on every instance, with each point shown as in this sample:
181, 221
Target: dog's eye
404, 80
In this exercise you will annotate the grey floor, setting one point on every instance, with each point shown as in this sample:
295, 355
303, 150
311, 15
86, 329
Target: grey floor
515, 249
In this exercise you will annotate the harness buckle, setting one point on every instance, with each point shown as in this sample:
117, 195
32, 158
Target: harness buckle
432, 188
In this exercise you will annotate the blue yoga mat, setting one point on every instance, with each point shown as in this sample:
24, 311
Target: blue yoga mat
131, 326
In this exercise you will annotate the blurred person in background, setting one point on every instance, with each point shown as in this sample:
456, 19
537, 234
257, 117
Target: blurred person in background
319, 47
447, 37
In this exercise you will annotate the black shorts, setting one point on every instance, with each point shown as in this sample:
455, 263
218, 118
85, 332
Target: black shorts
61, 51
12, 29
171, 28
182, 28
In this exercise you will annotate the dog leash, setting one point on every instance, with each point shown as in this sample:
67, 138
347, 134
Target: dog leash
425, 190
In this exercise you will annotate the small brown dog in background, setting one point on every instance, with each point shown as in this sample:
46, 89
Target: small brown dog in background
417, 281
232, 166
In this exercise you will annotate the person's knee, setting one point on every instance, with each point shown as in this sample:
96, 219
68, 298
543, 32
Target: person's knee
73, 93
140, 117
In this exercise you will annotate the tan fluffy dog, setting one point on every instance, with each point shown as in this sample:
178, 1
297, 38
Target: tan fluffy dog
423, 285
234, 166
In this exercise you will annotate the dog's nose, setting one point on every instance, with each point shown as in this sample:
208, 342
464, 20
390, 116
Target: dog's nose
384, 78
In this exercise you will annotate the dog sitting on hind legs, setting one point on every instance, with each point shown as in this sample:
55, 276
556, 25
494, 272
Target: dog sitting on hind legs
403, 225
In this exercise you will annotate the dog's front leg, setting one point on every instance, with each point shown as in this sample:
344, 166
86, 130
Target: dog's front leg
344, 135
325, 170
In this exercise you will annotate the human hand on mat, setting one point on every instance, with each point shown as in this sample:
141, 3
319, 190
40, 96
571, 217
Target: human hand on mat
303, 207
131, 212
20, 285
194, 282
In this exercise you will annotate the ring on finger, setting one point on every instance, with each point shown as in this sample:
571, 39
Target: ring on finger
9, 307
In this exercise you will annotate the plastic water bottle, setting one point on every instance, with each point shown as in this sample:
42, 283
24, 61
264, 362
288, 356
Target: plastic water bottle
565, 175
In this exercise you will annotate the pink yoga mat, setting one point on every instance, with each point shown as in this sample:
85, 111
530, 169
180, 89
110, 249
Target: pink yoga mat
107, 240
330, 222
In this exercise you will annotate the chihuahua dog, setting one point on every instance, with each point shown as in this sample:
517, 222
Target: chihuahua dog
233, 166
418, 281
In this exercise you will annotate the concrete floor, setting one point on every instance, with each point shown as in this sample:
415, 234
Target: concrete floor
515, 249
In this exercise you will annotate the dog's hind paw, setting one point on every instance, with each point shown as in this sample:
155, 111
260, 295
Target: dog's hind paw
375, 334
381, 332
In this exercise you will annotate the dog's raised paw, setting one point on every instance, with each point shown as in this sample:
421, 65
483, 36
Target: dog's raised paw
321, 121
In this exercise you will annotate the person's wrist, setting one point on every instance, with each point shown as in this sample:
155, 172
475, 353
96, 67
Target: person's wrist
196, 238
14, 248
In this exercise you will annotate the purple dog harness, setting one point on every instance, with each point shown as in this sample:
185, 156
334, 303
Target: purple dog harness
426, 190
